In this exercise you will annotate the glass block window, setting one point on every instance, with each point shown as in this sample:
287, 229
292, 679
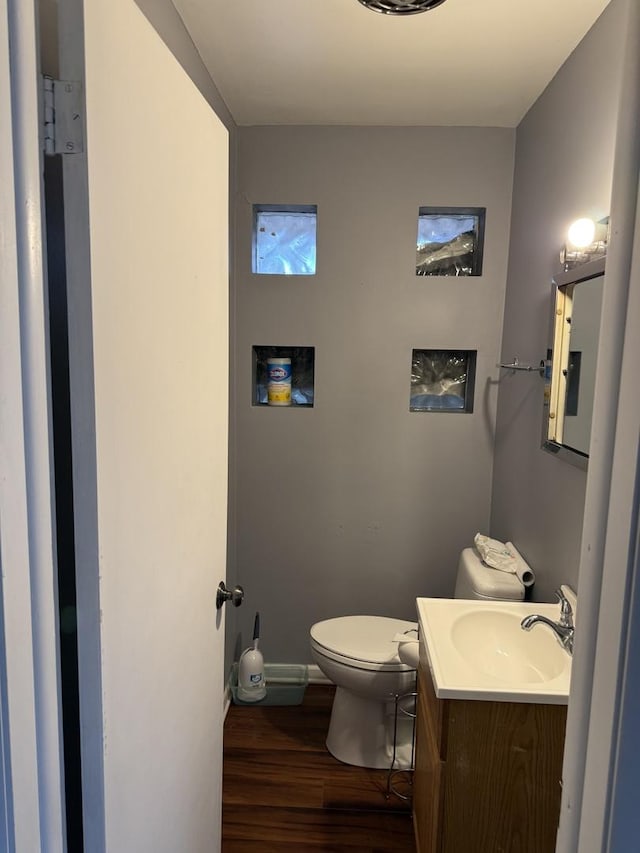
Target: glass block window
302, 373
284, 239
450, 240
442, 380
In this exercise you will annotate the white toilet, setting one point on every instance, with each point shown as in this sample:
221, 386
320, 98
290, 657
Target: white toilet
358, 654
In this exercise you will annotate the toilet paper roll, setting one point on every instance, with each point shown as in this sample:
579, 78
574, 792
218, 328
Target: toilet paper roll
408, 648
523, 570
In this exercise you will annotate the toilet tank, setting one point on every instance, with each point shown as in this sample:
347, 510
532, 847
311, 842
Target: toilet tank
475, 580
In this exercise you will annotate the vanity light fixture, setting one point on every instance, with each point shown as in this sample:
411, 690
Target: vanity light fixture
586, 240
401, 7
581, 233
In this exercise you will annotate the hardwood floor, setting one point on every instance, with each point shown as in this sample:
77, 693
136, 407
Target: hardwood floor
283, 791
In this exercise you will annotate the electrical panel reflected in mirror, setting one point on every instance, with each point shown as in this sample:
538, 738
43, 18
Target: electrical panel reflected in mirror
569, 401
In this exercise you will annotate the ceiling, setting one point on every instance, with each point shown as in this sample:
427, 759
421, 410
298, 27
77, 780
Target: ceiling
466, 62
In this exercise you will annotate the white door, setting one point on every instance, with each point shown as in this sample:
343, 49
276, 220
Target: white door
146, 215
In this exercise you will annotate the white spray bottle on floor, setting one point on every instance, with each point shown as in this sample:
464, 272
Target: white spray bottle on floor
251, 683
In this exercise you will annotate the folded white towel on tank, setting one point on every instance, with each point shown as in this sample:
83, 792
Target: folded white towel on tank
495, 554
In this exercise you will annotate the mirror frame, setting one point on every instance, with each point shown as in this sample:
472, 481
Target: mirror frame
562, 299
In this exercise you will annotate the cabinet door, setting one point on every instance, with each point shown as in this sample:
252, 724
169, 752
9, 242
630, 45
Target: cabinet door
501, 791
427, 784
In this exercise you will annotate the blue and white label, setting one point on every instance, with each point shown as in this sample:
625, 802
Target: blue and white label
279, 372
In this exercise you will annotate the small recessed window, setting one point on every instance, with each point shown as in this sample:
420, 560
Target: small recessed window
284, 239
442, 380
450, 241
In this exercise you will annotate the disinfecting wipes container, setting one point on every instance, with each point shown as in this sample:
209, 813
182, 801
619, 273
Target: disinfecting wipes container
279, 381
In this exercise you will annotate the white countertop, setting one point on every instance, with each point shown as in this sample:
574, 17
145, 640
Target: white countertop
477, 650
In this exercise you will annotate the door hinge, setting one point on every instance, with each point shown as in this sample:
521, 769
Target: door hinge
63, 125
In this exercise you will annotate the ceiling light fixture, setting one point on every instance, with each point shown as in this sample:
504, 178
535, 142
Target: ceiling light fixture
400, 7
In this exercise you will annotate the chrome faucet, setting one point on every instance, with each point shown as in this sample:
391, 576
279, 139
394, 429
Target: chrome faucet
563, 628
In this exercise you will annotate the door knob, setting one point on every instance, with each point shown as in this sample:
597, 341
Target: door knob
223, 594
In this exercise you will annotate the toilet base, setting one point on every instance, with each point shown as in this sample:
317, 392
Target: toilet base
361, 732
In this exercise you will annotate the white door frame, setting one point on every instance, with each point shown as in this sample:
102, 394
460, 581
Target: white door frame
31, 709
607, 561
70, 30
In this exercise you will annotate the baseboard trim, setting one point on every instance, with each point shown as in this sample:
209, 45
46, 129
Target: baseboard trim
316, 676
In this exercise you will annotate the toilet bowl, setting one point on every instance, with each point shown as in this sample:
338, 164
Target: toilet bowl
359, 655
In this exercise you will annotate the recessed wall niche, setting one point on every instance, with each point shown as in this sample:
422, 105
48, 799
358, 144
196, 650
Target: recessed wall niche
450, 241
302, 374
442, 380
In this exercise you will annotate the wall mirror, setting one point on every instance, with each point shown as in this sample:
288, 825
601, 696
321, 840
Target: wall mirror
577, 304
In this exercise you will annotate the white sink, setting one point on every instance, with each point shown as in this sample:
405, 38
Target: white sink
478, 650
494, 642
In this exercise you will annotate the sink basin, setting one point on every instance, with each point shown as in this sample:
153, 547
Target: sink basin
494, 643
477, 650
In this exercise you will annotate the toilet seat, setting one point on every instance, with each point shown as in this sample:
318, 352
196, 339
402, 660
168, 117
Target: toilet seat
363, 642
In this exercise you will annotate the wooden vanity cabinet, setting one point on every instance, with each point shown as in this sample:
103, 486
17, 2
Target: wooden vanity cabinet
487, 774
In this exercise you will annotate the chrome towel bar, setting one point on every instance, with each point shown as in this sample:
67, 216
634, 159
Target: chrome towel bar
528, 368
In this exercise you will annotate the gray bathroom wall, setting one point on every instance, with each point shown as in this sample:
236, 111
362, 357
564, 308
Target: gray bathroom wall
564, 162
358, 505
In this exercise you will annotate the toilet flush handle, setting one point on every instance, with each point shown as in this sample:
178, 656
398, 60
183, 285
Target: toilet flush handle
223, 594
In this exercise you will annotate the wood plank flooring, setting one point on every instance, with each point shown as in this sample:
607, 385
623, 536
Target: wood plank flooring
283, 791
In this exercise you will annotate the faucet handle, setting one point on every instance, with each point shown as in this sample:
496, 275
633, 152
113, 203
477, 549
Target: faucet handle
566, 611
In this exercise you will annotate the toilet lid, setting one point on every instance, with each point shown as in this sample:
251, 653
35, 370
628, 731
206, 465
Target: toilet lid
362, 638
